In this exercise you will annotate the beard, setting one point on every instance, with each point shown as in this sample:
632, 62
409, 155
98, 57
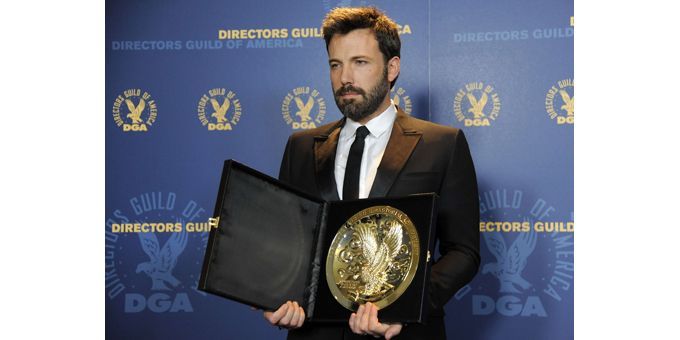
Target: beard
357, 110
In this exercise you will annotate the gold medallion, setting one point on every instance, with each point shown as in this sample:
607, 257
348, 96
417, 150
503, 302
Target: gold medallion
373, 258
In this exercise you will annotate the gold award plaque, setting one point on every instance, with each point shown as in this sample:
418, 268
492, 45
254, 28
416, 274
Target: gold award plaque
373, 258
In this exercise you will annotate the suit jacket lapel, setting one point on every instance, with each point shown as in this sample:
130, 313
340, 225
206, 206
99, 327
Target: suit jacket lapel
403, 140
325, 146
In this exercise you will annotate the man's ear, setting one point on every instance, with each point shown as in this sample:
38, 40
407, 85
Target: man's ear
393, 68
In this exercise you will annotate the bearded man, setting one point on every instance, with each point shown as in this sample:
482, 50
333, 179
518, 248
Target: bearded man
377, 150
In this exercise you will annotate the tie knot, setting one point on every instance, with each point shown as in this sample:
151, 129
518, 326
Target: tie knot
362, 132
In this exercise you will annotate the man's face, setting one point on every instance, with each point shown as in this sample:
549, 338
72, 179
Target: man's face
359, 75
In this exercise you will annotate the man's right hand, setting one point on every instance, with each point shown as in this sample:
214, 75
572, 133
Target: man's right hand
290, 315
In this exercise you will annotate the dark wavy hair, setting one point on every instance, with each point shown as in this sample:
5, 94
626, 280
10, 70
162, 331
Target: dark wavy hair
343, 20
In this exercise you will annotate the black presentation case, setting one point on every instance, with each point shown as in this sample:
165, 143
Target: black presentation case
270, 243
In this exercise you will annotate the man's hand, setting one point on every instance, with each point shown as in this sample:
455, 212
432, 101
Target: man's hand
290, 315
365, 321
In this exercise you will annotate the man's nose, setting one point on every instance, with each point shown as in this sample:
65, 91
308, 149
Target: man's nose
346, 76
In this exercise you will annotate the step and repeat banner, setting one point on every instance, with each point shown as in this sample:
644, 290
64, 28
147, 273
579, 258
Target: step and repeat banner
192, 83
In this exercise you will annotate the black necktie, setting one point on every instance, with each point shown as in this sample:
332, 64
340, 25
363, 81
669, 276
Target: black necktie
350, 187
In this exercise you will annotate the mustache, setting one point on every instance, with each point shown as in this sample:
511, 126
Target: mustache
349, 88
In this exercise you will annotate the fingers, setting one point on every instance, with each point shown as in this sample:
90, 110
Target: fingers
354, 320
373, 323
275, 317
393, 330
301, 318
289, 315
375, 328
292, 309
365, 321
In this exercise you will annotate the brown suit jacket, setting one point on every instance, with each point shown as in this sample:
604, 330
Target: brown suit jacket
420, 157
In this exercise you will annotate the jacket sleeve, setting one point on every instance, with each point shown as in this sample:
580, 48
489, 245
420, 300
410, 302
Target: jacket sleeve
457, 226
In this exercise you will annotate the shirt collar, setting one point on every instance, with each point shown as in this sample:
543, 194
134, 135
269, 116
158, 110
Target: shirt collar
377, 126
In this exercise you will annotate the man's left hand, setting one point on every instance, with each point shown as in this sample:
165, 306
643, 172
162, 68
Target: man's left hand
365, 321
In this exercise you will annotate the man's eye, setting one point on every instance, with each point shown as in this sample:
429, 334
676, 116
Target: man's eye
361, 62
335, 65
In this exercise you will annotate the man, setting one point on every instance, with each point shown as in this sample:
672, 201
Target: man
390, 154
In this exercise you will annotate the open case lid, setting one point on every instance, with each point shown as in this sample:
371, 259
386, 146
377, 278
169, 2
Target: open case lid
261, 251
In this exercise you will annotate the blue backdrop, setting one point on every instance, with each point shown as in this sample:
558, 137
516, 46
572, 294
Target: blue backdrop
192, 83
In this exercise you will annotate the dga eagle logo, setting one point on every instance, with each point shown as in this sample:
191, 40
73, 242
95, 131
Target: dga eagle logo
476, 104
161, 260
219, 110
529, 270
510, 262
138, 113
514, 298
155, 270
399, 98
561, 107
307, 106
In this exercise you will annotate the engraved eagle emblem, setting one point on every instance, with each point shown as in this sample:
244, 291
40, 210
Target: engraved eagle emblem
510, 262
568, 103
477, 106
135, 111
220, 110
162, 261
304, 109
378, 254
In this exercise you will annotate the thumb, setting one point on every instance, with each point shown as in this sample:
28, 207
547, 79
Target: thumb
392, 331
